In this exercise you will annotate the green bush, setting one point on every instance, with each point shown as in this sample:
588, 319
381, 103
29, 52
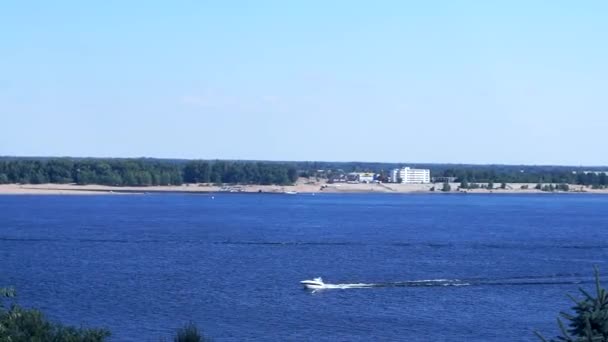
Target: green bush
190, 333
27, 325
548, 188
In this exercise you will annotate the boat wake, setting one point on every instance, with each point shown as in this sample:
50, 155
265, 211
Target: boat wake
557, 279
349, 286
412, 283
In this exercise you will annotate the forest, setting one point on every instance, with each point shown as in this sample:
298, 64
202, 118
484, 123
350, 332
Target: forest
141, 172
149, 171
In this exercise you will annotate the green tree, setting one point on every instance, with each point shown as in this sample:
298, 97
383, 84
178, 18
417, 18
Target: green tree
129, 178
491, 185
603, 179
292, 174
86, 176
143, 178
446, 187
165, 178
590, 319
197, 172
464, 184
60, 170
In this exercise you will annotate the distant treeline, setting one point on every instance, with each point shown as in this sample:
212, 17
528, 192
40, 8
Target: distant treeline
142, 172
471, 173
239, 172
529, 174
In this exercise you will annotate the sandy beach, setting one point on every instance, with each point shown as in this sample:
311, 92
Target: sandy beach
302, 186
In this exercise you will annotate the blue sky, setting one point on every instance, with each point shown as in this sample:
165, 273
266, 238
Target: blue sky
426, 81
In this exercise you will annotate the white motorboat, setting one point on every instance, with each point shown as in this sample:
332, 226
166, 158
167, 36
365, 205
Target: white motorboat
315, 284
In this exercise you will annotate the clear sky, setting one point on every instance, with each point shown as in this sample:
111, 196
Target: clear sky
398, 81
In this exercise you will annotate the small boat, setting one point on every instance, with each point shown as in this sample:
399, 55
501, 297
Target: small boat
315, 284
290, 192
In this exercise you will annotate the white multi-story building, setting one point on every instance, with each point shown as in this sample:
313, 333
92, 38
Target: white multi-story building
408, 175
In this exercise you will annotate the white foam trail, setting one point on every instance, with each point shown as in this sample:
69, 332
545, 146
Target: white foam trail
521, 280
411, 283
349, 286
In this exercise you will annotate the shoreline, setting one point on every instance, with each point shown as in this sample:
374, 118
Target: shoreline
302, 187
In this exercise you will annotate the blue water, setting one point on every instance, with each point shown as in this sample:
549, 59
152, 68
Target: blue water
142, 265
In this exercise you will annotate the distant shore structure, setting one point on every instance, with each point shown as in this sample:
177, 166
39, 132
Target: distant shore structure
408, 175
360, 177
597, 173
443, 179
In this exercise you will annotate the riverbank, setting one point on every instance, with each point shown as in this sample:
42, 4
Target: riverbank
302, 186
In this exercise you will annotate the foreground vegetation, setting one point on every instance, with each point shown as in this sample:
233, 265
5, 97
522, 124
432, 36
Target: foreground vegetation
24, 325
18, 324
590, 320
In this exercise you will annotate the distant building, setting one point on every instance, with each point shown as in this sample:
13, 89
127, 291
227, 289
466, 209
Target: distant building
597, 173
352, 177
360, 177
366, 177
337, 179
443, 179
410, 176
